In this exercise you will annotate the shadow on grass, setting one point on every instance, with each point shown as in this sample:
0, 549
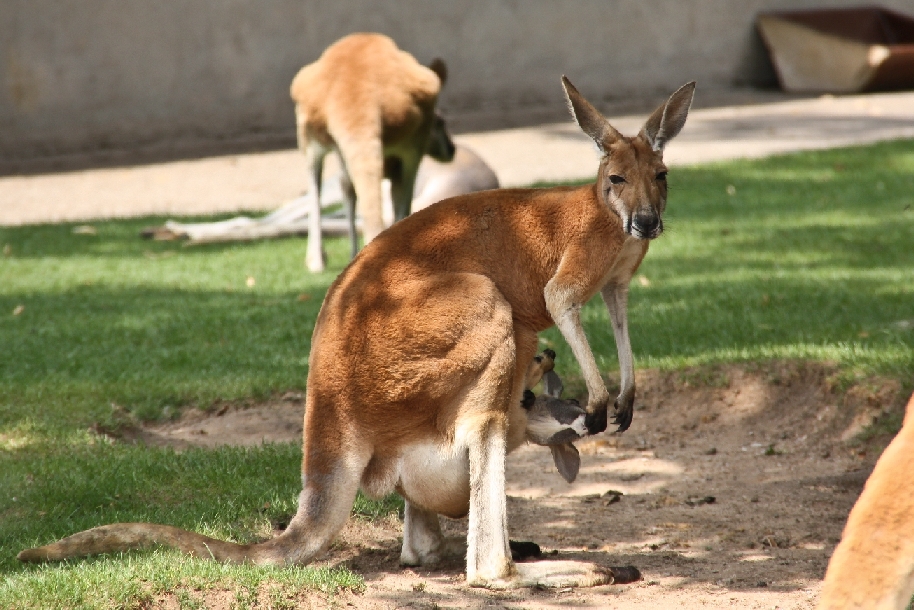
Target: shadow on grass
119, 239
58, 492
148, 348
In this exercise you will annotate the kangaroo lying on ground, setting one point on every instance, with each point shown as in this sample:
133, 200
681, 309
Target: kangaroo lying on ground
421, 350
465, 173
375, 105
873, 566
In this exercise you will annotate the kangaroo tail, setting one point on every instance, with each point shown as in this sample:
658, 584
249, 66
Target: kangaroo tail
128, 536
323, 508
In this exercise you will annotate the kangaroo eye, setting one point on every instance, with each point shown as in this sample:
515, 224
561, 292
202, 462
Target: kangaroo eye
616, 179
661, 175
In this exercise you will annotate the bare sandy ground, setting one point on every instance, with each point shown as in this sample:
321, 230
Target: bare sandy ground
730, 490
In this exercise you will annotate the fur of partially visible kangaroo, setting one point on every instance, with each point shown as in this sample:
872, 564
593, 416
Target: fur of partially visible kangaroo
375, 105
873, 566
421, 351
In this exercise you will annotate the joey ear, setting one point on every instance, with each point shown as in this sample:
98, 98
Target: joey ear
552, 384
440, 68
589, 118
567, 460
668, 120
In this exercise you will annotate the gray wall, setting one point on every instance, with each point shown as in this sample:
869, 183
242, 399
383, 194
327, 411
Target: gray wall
84, 76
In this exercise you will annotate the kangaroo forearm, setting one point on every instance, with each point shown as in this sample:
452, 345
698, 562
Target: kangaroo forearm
569, 324
616, 299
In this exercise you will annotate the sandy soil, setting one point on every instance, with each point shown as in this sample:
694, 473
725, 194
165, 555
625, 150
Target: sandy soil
735, 485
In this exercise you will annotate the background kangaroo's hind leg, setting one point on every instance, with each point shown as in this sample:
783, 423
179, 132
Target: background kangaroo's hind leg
363, 159
316, 257
349, 209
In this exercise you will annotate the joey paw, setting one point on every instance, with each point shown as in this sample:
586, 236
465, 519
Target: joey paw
595, 421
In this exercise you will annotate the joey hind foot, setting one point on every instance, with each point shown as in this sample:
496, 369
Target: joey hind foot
524, 550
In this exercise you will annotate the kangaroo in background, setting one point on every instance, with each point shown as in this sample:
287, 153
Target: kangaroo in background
872, 567
421, 352
465, 173
375, 105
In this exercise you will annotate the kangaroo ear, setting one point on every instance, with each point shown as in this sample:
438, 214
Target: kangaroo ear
552, 384
668, 120
589, 118
440, 68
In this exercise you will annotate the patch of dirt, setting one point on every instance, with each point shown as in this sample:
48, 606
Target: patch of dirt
730, 489
277, 421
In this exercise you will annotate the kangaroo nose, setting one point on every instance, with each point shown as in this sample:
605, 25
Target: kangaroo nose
646, 223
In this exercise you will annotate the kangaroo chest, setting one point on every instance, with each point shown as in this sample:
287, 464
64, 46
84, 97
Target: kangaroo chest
623, 267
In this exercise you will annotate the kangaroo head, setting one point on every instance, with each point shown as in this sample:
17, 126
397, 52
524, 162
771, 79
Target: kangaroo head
632, 176
440, 146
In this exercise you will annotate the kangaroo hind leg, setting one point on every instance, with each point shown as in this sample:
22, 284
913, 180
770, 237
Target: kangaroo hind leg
364, 165
330, 480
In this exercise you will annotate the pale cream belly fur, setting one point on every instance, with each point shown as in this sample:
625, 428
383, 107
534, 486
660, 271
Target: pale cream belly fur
434, 474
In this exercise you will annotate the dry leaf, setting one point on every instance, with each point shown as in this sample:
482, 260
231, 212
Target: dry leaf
304, 297
251, 281
84, 230
644, 281
19, 309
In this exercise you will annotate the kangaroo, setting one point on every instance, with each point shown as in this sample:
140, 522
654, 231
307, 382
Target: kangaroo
465, 173
375, 105
420, 356
873, 565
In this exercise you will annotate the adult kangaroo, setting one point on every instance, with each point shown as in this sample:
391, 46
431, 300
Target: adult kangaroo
375, 105
421, 350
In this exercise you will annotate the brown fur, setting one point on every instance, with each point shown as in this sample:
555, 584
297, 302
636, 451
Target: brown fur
422, 349
375, 105
873, 566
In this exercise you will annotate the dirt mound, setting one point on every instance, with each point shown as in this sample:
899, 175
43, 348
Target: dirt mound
731, 488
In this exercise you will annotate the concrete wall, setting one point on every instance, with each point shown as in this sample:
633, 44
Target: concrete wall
88, 76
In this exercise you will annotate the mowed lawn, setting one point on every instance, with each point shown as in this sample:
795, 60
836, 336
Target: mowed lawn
807, 256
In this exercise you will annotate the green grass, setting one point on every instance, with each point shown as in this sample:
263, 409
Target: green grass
808, 256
